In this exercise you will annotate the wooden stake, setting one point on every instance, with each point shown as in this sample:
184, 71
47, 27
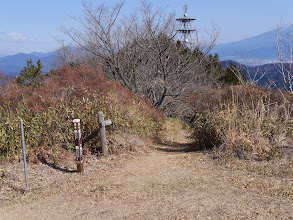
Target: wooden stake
102, 125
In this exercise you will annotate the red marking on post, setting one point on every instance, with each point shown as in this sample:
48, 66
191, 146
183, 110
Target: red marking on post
78, 145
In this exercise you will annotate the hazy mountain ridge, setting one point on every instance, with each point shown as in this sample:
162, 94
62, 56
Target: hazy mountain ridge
271, 71
12, 64
260, 48
251, 51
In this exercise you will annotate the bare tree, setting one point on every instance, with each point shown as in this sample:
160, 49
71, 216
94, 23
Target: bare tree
253, 68
284, 49
142, 53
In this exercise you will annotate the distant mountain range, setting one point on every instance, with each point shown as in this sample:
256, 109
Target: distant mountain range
248, 51
266, 75
257, 55
13, 64
253, 50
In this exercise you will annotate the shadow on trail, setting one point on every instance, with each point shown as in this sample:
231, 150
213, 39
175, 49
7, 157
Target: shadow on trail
178, 147
54, 166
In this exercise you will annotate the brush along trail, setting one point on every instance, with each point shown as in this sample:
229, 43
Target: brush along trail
166, 182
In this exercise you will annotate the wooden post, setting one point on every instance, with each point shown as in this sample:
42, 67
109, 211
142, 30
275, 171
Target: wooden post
78, 145
102, 125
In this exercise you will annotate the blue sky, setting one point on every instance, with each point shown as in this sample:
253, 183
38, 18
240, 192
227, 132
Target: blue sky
33, 25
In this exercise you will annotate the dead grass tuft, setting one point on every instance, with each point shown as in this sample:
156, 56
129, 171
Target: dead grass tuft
246, 123
172, 129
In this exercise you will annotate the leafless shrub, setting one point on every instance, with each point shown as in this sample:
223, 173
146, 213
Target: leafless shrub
284, 49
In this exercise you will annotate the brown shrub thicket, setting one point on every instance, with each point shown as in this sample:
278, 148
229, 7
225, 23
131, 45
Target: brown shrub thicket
65, 94
207, 99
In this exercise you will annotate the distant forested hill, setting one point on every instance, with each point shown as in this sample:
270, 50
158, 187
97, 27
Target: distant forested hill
12, 65
271, 73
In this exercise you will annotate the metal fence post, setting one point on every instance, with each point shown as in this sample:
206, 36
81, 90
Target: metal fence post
78, 145
24, 153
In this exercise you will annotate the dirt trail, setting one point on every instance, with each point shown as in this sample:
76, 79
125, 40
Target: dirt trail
168, 182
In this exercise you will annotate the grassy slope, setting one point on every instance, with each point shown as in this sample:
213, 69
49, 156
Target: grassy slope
243, 122
71, 93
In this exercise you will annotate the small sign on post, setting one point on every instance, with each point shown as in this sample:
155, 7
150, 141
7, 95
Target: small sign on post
102, 125
78, 145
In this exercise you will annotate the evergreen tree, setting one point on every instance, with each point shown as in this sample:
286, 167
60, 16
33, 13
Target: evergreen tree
30, 74
232, 74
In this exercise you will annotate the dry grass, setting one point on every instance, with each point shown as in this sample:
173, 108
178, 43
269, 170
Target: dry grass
171, 129
249, 130
248, 125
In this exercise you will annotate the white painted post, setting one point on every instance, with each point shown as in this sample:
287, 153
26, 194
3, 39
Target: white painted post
78, 145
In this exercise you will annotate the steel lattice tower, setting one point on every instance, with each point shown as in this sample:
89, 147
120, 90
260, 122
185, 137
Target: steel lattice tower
185, 28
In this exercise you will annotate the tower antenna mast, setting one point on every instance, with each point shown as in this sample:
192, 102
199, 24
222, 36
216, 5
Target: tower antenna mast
185, 29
